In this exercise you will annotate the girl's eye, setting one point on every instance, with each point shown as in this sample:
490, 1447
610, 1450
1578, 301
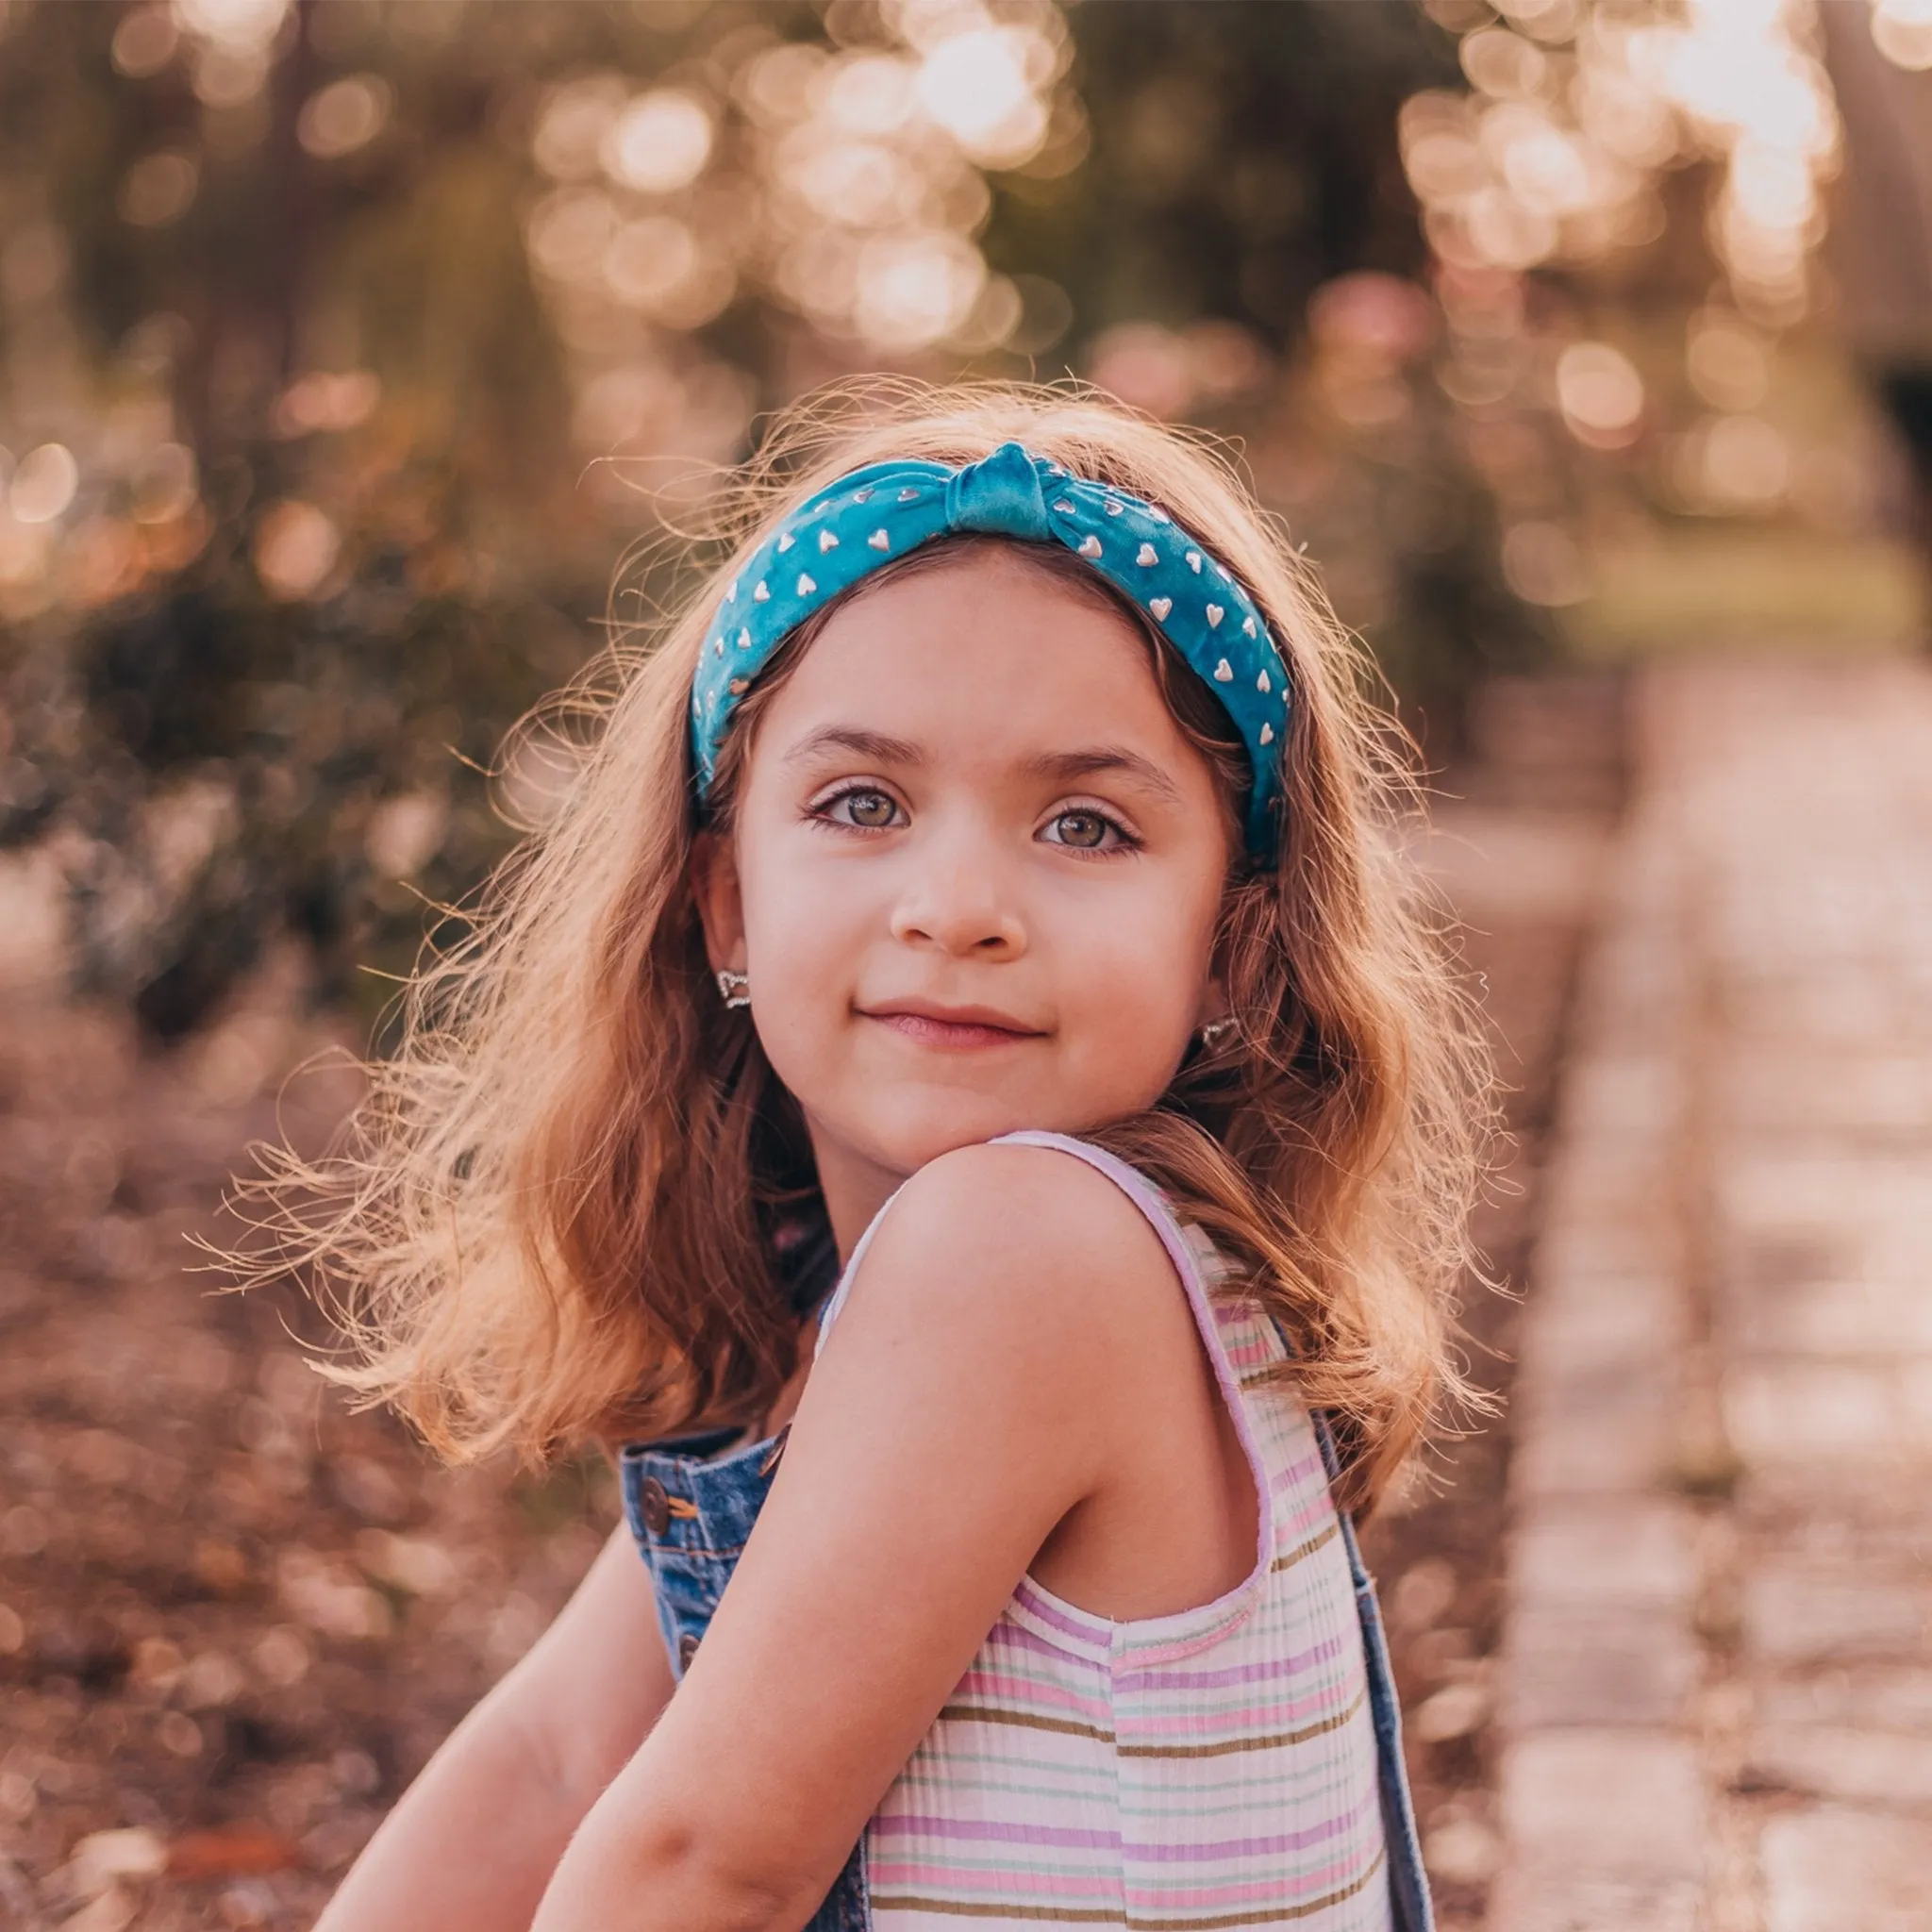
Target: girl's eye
873, 811
1086, 831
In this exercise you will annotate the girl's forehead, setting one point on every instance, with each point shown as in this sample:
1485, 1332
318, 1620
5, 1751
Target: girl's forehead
976, 642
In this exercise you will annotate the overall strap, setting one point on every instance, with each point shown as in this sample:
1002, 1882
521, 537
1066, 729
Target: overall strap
1409, 1880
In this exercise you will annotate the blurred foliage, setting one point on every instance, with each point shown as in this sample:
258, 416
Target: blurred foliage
348, 345
1242, 155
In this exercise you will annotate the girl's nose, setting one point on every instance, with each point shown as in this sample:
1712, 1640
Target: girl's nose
963, 908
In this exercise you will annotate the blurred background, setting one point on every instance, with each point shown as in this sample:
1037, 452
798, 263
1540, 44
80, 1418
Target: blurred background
363, 363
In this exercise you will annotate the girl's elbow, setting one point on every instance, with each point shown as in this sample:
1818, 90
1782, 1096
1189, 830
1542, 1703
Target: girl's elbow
655, 1874
723, 1887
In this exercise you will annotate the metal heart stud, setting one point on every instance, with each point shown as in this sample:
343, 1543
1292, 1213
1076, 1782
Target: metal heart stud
1146, 554
879, 540
1113, 509
1267, 734
908, 495
806, 585
1090, 545
827, 542
731, 596
1215, 613
1063, 507
862, 495
786, 540
718, 645
1261, 683
1161, 607
1247, 627
1195, 561
1223, 673
744, 640
762, 596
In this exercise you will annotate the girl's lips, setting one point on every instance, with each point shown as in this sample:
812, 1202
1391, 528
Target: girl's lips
933, 1029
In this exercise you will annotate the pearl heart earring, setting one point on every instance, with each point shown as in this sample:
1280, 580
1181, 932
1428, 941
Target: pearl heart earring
734, 986
1215, 1032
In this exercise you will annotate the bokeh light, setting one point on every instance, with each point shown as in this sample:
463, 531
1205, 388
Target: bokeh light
1574, 112
345, 115
157, 189
659, 143
43, 484
1599, 394
1903, 31
295, 548
144, 42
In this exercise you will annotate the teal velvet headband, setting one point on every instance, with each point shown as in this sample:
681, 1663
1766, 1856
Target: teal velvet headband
879, 512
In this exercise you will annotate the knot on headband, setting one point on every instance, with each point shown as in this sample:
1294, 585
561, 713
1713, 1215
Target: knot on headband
884, 511
1002, 494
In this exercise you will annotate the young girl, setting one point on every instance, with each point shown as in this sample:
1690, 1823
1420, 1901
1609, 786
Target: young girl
959, 1103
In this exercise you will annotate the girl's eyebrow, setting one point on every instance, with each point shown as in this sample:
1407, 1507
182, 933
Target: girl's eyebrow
875, 746
1063, 767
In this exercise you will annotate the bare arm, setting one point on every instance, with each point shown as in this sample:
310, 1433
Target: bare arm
976, 1388
474, 1840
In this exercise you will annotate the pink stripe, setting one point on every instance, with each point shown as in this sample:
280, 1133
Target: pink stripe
1017, 1635
1296, 1473
1009, 1693
1300, 1521
997, 1885
1252, 1720
1260, 1673
1256, 1892
996, 1831
1096, 1631
1271, 1846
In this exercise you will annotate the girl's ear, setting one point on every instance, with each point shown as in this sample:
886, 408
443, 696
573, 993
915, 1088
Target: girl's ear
721, 904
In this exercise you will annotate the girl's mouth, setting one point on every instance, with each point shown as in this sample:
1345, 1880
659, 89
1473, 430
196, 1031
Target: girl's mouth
957, 1028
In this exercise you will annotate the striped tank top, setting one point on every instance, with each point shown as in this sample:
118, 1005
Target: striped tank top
1216, 1767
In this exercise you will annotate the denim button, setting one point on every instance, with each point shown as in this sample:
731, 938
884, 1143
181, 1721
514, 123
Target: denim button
687, 1649
654, 1505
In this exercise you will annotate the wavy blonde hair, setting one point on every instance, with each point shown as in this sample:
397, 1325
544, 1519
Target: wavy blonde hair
555, 1215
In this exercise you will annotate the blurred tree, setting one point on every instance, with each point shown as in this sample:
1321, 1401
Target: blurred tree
1241, 154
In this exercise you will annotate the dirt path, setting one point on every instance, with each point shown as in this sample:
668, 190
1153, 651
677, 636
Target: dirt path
235, 1618
1717, 1664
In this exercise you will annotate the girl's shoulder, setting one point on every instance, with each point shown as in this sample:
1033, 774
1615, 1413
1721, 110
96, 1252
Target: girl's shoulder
1029, 1220
1047, 1190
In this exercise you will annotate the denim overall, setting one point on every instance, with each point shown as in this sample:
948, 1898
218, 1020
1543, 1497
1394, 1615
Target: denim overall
691, 1509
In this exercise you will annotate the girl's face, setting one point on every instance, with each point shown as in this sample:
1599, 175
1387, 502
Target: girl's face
974, 875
